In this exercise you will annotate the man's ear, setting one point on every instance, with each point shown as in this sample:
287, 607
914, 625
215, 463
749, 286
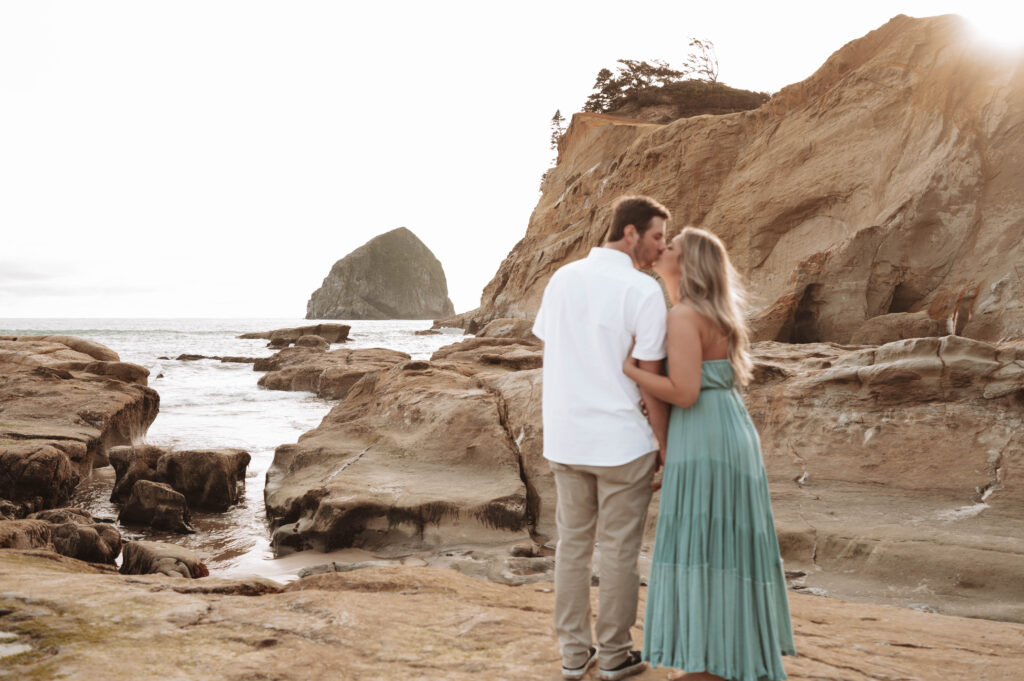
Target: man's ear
630, 234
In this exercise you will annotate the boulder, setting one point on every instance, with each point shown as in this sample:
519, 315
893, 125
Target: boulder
328, 374
150, 557
55, 396
25, 534
392, 276
76, 534
415, 456
208, 478
130, 465
156, 505
885, 183
36, 475
10, 510
311, 341
332, 333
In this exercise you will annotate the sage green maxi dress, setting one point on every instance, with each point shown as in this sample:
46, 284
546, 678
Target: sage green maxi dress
716, 599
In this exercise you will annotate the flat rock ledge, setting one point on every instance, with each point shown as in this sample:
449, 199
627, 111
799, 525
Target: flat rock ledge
65, 402
76, 621
281, 338
328, 373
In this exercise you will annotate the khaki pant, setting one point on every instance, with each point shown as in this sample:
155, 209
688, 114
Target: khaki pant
613, 500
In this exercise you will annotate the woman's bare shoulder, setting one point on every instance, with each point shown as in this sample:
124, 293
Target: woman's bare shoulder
683, 312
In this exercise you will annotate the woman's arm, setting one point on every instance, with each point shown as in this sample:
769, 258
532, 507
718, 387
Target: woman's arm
682, 385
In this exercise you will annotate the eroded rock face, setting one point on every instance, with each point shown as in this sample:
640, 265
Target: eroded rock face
76, 534
886, 183
25, 534
392, 276
37, 476
414, 456
156, 505
209, 479
56, 397
328, 374
150, 557
892, 469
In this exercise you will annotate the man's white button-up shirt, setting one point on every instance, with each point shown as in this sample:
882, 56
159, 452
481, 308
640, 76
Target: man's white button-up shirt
591, 311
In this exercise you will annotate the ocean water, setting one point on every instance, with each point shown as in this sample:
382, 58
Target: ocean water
208, 404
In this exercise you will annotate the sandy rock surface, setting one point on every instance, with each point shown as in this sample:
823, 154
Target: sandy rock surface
415, 455
885, 183
408, 623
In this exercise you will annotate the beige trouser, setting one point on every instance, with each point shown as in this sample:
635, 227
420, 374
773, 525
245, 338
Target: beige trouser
614, 500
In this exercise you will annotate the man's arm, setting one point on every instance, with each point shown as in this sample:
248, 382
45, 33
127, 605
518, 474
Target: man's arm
657, 411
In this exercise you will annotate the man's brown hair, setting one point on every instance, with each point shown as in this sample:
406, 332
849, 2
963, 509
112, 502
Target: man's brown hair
636, 211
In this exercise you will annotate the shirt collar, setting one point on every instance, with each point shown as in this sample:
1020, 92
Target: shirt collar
611, 256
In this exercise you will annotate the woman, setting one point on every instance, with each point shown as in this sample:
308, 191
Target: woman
717, 602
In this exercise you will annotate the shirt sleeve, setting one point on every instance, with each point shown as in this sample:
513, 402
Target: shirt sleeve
650, 328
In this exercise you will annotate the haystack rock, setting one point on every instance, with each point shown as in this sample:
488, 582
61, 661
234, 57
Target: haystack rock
886, 183
392, 276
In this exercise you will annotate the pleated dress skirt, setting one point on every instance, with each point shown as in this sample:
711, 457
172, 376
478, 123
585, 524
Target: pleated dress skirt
716, 599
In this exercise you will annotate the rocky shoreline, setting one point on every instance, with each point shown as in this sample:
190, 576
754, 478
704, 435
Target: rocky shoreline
71, 619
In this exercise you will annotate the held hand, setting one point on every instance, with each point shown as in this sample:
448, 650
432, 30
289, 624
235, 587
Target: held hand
659, 469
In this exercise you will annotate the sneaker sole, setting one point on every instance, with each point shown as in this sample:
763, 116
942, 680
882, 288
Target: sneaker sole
576, 674
623, 673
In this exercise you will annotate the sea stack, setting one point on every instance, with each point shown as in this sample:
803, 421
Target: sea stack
392, 276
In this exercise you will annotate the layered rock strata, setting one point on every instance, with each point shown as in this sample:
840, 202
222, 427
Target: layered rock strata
76, 621
893, 469
886, 183
329, 374
392, 276
64, 402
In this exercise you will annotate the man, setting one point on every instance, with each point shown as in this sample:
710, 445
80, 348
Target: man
600, 446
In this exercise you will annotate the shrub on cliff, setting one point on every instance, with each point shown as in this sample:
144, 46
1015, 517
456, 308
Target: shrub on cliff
657, 92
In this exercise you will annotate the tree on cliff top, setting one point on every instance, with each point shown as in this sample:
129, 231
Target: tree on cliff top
688, 91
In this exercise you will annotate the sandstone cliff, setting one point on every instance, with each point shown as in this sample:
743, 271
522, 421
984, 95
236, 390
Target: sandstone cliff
392, 276
886, 183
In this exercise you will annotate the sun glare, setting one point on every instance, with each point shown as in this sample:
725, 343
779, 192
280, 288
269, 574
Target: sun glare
1002, 30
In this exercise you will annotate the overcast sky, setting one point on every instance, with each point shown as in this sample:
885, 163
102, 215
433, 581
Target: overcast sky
215, 158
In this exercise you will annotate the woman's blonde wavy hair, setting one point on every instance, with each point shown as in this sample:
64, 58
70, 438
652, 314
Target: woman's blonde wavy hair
713, 286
